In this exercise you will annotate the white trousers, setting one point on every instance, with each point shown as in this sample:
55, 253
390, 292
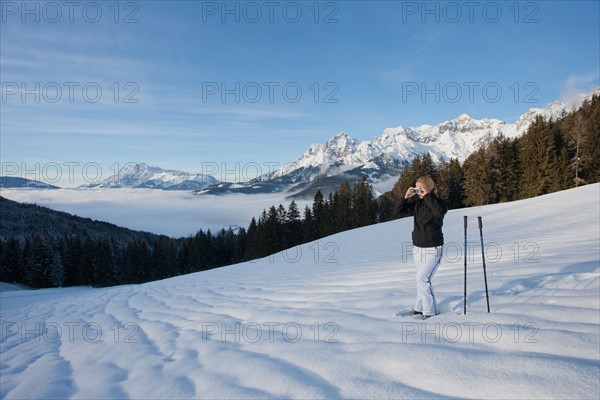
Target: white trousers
427, 260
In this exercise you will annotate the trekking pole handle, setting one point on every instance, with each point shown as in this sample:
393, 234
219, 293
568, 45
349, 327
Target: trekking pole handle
480, 223
465, 217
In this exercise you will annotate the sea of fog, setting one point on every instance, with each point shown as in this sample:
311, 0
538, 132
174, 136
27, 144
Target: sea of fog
172, 213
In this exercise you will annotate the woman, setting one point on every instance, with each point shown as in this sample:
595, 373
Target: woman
428, 239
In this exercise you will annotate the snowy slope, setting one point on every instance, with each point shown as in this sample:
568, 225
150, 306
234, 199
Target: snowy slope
317, 321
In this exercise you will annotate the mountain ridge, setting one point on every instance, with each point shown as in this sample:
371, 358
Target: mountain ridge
9, 182
143, 176
456, 138
343, 157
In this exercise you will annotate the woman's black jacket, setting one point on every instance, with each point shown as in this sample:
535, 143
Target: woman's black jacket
428, 219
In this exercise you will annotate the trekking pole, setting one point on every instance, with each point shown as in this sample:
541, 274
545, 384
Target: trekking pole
487, 296
466, 255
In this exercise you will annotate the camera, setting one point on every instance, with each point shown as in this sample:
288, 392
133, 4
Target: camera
416, 190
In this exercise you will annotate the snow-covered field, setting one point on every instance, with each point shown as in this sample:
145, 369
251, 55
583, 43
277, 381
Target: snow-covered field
173, 213
318, 321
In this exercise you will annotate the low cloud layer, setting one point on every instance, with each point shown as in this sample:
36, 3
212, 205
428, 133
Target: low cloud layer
172, 213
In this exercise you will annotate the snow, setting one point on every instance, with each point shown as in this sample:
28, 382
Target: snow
317, 321
457, 138
142, 175
6, 287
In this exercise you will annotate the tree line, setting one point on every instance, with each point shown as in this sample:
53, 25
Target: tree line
43, 248
72, 260
349, 207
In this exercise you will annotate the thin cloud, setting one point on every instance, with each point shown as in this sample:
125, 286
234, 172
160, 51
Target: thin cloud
426, 41
577, 84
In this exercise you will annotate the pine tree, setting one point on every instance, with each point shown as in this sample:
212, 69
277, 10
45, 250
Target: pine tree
449, 184
477, 185
281, 214
263, 241
39, 263
252, 250
13, 262
590, 150
560, 168
581, 131
56, 277
342, 208
386, 207
504, 169
184, 257
425, 167
363, 207
117, 265
103, 258
293, 226
327, 225
318, 214
136, 262
86, 267
309, 226
221, 249
273, 229
225, 243
402, 184
240, 246
206, 246
164, 257
540, 159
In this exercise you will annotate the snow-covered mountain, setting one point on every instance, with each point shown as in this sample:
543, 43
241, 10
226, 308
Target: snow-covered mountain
144, 176
318, 321
17, 182
395, 147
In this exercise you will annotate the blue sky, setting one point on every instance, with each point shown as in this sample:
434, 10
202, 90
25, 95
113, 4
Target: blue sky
215, 86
